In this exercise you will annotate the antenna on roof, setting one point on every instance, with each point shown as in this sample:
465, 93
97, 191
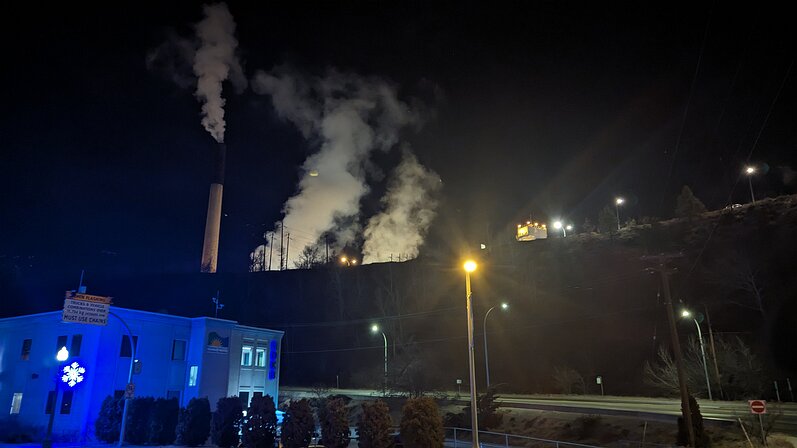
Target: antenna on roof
217, 303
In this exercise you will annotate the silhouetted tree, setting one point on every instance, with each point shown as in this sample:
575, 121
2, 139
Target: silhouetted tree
374, 426
607, 220
193, 426
568, 380
260, 428
421, 424
701, 437
688, 205
309, 258
298, 426
109, 421
226, 423
335, 426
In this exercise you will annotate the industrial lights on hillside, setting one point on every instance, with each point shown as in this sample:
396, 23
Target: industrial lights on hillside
470, 266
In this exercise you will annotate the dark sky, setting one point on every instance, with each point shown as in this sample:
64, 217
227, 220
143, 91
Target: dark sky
548, 109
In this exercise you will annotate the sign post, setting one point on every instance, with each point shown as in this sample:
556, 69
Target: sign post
599, 380
759, 407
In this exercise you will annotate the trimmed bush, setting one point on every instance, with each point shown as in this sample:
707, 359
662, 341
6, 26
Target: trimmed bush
335, 427
298, 426
421, 424
226, 423
193, 426
260, 426
374, 426
139, 411
109, 421
14, 431
163, 422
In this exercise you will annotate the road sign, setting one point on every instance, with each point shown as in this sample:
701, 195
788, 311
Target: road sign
137, 366
130, 391
459, 381
86, 309
598, 379
758, 406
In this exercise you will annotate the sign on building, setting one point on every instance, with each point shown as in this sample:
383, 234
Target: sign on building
86, 309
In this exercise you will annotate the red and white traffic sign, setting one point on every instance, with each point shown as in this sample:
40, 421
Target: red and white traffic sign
758, 406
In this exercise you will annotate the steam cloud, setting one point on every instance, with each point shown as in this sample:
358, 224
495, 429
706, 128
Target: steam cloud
349, 116
211, 56
410, 203
214, 62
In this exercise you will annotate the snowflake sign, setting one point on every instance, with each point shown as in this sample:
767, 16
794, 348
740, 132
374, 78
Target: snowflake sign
73, 374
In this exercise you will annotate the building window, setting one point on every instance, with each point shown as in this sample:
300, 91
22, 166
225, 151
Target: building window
48, 408
244, 396
16, 402
26, 349
173, 394
192, 373
77, 340
260, 357
60, 343
246, 356
178, 350
66, 402
125, 351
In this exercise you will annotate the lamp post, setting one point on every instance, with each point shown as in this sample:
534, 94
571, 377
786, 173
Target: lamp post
375, 329
504, 306
61, 356
687, 315
750, 170
470, 266
348, 261
617, 203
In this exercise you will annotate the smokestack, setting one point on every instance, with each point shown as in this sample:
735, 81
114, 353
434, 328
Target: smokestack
210, 247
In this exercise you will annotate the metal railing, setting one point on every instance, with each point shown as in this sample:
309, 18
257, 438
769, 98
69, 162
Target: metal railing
461, 437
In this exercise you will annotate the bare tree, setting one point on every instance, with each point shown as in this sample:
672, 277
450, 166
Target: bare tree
309, 258
568, 380
736, 273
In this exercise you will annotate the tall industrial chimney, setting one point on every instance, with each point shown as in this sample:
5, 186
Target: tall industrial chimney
210, 247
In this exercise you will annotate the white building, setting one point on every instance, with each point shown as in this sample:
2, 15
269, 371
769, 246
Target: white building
179, 357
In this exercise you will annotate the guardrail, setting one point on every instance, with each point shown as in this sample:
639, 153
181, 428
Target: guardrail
462, 437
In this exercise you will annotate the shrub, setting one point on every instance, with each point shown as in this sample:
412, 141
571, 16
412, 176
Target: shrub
421, 424
139, 411
298, 426
335, 427
163, 422
193, 426
226, 422
14, 431
374, 426
701, 437
109, 420
260, 427
487, 409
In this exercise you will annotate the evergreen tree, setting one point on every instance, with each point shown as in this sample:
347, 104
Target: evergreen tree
701, 437
193, 426
226, 423
421, 424
374, 426
607, 220
163, 421
298, 427
260, 428
109, 421
335, 426
688, 205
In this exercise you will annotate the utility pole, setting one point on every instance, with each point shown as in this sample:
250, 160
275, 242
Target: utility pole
713, 351
282, 243
270, 250
287, 248
661, 267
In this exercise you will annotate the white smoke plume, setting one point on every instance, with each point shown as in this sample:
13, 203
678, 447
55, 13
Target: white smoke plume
214, 62
349, 117
399, 230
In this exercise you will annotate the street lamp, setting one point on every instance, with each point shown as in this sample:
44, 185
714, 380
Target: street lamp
558, 225
375, 330
504, 306
688, 315
62, 355
348, 261
617, 203
750, 171
469, 267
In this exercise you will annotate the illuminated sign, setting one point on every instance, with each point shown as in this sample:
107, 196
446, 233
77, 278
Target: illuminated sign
73, 374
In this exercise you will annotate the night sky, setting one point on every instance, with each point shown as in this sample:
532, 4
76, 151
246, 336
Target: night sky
549, 110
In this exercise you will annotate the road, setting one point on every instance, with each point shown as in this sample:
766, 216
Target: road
646, 408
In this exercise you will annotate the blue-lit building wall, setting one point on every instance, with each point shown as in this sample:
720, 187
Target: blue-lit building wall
167, 347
